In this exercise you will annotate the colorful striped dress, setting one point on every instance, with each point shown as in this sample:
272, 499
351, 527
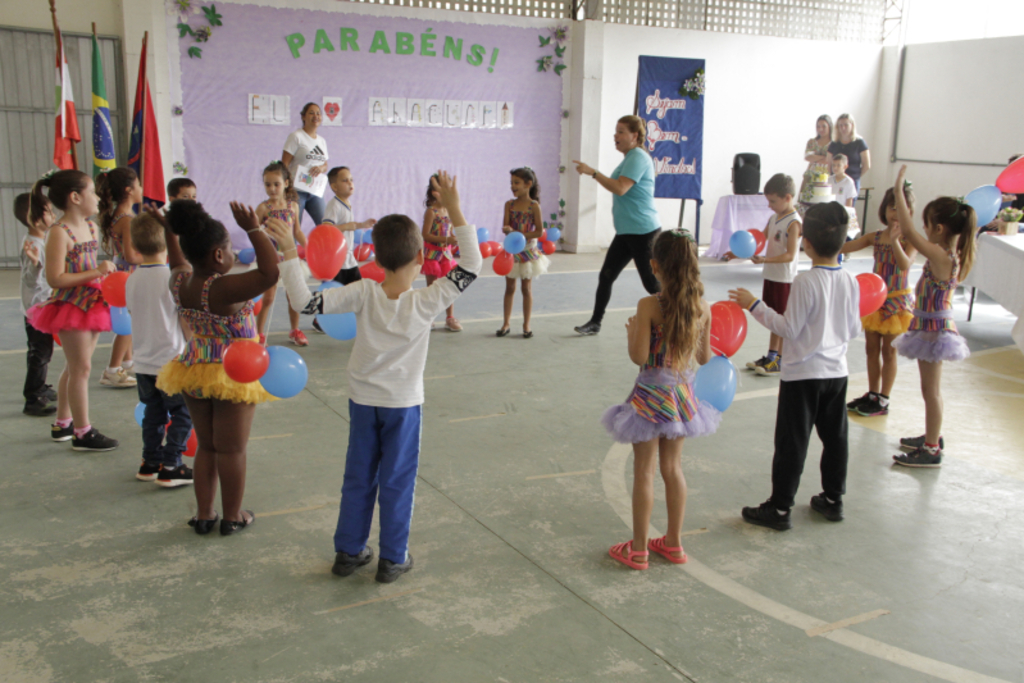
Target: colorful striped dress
531, 262
895, 315
199, 370
662, 403
437, 258
117, 239
933, 336
74, 308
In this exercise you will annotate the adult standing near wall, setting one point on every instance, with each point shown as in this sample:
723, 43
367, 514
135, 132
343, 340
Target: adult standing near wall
855, 148
816, 155
634, 216
305, 155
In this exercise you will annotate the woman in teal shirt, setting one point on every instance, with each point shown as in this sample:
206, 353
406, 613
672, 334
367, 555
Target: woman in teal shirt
636, 220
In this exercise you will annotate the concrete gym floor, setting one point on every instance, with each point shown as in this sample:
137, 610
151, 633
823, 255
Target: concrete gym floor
520, 495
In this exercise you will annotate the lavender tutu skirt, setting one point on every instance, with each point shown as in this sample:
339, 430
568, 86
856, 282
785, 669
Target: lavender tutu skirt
655, 410
933, 347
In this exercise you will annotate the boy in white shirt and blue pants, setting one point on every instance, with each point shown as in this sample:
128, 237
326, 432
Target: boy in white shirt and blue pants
822, 316
385, 370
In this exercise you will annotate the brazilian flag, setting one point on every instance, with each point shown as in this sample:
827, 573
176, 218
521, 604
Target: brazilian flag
102, 131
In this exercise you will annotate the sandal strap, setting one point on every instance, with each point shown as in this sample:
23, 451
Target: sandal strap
660, 543
632, 553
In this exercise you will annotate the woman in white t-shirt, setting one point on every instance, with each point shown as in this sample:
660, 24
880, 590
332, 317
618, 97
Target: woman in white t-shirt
305, 155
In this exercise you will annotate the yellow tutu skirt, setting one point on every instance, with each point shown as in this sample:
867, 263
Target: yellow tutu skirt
891, 326
208, 380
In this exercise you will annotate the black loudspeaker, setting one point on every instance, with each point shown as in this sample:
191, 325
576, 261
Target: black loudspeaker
746, 174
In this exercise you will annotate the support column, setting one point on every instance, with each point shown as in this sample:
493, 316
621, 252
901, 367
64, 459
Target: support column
585, 133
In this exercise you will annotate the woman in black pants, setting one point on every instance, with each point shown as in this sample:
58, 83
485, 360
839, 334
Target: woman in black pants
633, 214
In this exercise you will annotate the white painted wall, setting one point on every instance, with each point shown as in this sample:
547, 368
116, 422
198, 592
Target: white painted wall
763, 95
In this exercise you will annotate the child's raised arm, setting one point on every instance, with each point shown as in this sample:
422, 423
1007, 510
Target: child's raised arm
300, 298
935, 253
176, 260
235, 289
862, 242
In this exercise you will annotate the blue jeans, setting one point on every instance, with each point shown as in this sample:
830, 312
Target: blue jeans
384, 452
160, 407
312, 205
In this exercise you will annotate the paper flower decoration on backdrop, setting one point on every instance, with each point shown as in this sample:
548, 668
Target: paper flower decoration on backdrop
694, 87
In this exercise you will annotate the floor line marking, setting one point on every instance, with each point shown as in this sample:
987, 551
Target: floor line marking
439, 377
545, 315
270, 436
843, 623
275, 513
613, 480
477, 417
694, 532
368, 602
560, 474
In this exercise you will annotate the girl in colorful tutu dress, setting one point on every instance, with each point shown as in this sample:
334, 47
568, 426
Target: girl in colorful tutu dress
948, 244
893, 259
669, 332
75, 311
282, 204
119, 190
218, 308
522, 214
439, 244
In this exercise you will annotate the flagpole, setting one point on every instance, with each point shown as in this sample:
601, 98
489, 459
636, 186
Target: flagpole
57, 40
142, 142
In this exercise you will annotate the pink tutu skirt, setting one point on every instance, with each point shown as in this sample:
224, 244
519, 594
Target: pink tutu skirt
54, 316
437, 268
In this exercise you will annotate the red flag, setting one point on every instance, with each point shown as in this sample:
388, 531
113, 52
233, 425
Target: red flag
144, 151
66, 132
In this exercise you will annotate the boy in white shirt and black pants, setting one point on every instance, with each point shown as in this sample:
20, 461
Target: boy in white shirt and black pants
40, 398
822, 316
157, 339
385, 376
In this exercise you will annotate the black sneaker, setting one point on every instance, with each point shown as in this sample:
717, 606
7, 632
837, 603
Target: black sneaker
173, 478
872, 408
759, 363
345, 564
50, 394
772, 367
912, 443
919, 457
766, 514
591, 328
39, 407
62, 433
317, 328
388, 571
147, 472
856, 403
833, 512
93, 441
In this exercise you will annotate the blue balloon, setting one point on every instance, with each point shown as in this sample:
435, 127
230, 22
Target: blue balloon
357, 238
287, 373
328, 284
367, 237
338, 325
716, 382
247, 255
482, 235
554, 234
120, 321
140, 412
742, 244
986, 201
515, 242
257, 298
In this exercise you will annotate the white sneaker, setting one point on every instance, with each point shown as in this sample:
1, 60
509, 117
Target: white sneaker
117, 380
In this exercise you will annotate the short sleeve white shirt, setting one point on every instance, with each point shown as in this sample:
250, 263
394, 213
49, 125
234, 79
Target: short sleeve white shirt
844, 189
338, 212
156, 333
307, 152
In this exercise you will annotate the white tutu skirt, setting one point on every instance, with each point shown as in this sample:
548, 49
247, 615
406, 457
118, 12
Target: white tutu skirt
530, 270
933, 347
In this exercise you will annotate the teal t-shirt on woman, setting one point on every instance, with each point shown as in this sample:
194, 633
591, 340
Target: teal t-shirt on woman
633, 213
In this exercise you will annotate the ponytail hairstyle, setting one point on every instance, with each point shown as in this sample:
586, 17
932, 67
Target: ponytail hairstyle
199, 233
290, 193
635, 124
681, 292
890, 200
527, 175
112, 188
961, 220
431, 199
60, 184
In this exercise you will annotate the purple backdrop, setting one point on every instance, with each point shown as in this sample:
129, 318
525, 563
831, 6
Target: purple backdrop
391, 165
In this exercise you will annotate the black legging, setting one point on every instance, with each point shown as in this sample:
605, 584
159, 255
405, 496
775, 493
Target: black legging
623, 249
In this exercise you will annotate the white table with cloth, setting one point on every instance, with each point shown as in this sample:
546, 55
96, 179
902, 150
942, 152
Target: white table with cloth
999, 272
736, 212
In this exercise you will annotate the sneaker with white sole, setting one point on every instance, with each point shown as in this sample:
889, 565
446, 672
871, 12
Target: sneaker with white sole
173, 478
317, 328
770, 368
452, 325
147, 472
872, 408
298, 338
919, 457
912, 443
117, 380
855, 403
93, 441
62, 433
755, 364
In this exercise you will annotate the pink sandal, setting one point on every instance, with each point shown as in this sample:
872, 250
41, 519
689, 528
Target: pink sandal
658, 545
616, 552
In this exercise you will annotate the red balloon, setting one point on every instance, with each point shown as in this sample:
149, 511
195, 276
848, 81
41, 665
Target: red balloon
56, 340
325, 251
246, 361
1011, 180
257, 307
872, 293
192, 445
371, 271
364, 252
503, 263
485, 249
112, 287
548, 246
496, 248
301, 249
728, 327
759, 238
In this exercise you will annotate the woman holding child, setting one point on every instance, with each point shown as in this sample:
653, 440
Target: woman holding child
853, 147
816, 155
305, 155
